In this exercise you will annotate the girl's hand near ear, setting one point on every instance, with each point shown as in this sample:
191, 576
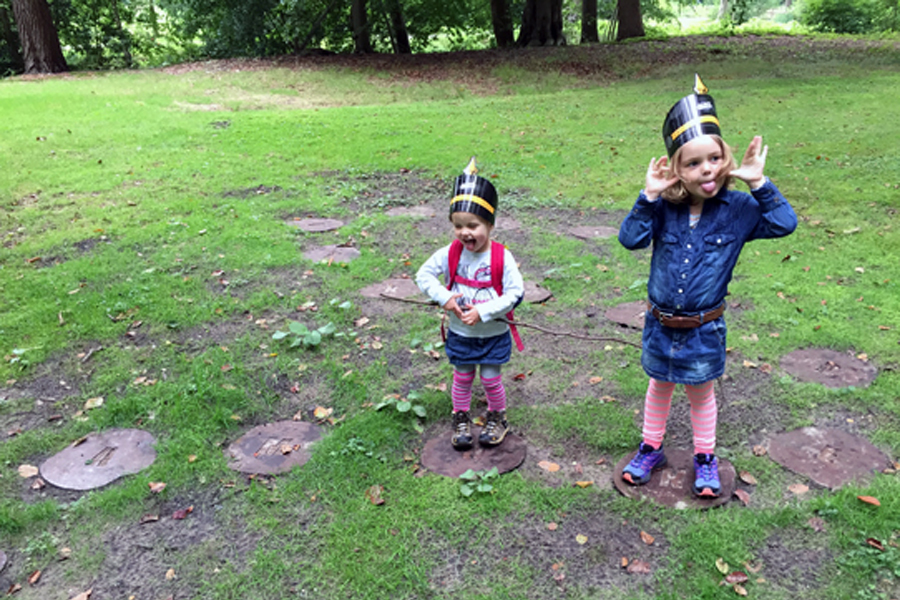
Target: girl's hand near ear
659, 178
752, 165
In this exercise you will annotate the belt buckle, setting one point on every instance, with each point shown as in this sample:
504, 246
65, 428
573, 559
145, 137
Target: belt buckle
663, 317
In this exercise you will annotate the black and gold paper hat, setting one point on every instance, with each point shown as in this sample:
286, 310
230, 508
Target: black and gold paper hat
474, 194
691, 117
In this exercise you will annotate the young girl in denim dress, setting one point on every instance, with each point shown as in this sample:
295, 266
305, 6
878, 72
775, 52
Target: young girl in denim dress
477, 333
698, 226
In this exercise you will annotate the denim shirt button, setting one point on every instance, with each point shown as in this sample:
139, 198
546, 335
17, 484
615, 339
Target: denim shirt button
689, 246
680, 291
678, 306
687, 260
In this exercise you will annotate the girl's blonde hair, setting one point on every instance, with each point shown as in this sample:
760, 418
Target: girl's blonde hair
677, 194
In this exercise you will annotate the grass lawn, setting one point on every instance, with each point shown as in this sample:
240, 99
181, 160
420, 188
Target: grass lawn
148, 257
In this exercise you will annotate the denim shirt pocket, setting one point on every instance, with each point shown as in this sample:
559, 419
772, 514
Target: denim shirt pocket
718, 247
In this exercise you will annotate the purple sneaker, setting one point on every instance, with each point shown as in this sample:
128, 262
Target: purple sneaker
706, 476
643, 464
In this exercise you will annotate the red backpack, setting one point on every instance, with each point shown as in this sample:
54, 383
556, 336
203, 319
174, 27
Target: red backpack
496, 281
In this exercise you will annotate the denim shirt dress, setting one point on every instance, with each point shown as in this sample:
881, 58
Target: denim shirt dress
690, 270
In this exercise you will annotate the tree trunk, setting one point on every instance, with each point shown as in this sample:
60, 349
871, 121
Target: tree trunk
589, 22
40, 42
123, 35
8, 35
501, 19
542, 24
359, 22
631, 24
398, 24
723, 10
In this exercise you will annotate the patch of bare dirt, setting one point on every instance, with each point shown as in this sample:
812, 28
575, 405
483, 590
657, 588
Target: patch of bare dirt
558, 561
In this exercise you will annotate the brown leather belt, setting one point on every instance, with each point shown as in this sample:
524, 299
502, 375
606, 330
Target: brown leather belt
686, 321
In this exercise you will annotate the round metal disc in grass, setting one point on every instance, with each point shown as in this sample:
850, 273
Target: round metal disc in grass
396, 287
828, 367
630, 314
438, 456
100, 458
273, 448
593, 232
333, 253
535, 293
830, 457
672, 485
411, 211
316, 225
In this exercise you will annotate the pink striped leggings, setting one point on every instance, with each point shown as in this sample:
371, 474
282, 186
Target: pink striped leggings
703, 413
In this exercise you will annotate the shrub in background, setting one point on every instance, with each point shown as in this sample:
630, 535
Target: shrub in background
842, 16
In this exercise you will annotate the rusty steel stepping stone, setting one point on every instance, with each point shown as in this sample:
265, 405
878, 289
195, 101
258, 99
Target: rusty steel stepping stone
828, 367
333, 253
411, 211
316, 225
396, 287
535, 293
630, 314
593, 232
830, 457
273, 448
672, 485
100, 458
438, 456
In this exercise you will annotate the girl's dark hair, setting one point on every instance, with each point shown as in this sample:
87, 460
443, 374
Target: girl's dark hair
677, 194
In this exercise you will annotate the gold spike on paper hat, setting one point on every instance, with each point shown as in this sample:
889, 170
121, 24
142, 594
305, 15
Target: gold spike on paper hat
699, 87
471, 168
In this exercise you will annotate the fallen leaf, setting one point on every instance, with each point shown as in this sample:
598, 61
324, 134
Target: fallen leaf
743, 496
817, 523
759, 450
170, 574
322, 413
192, 458
93, 403
157, 486
870, 541
739, 590
361, 322
552, 526
38, 484
557, 566
549, 466
26, 471
373, 493
737, 577
870, 500
752, 567
34, 577
595, 380
624, 561
226, 368
182, 513
748, 478
64, 553
15, 588
722, 566
639, 567
519, 377
83, 595
798, 488
581, 539
584, 484
149, 518
647, 538
749, 365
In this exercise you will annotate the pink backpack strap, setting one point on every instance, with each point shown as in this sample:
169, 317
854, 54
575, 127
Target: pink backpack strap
497, 256
456, 249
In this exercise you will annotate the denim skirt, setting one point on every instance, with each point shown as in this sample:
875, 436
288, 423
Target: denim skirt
463, 350
690, 356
